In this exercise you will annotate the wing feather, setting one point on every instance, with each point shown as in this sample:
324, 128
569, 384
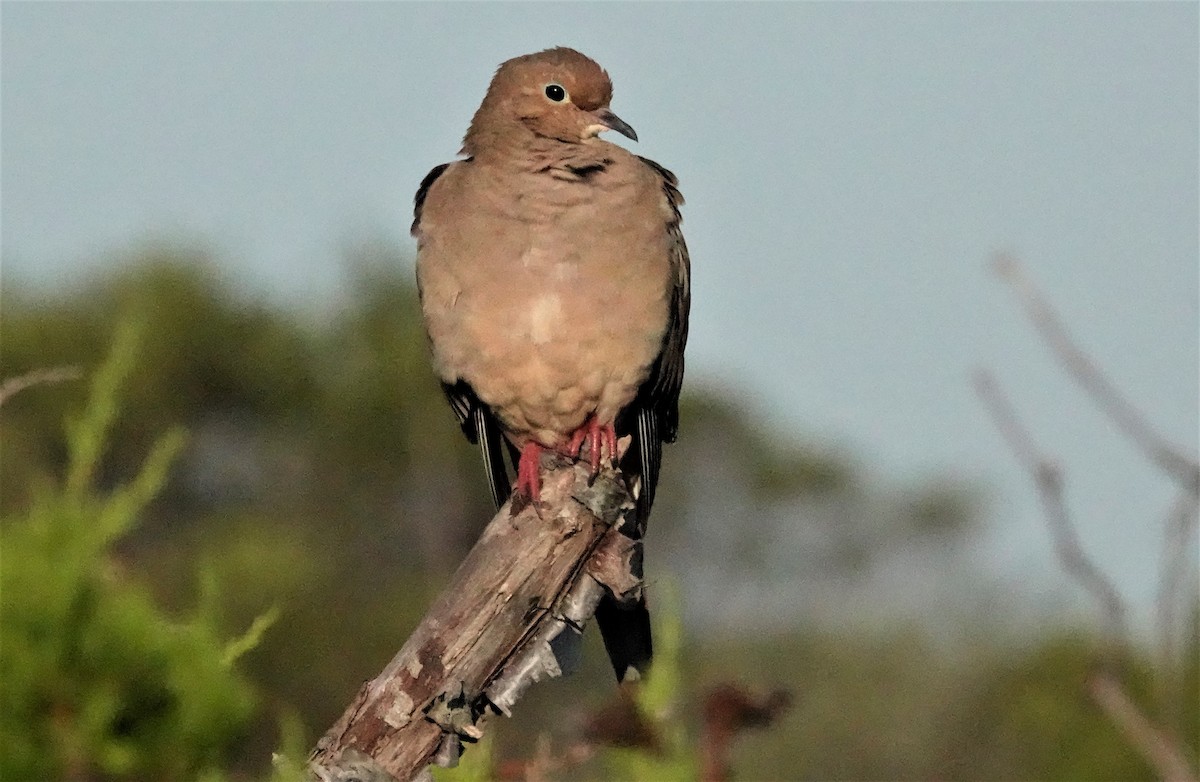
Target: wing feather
653, 418
477, 421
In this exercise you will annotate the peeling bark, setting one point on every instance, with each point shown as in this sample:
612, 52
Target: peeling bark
510, 617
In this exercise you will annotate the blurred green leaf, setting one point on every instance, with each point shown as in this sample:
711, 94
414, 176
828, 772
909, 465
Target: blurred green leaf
97, 680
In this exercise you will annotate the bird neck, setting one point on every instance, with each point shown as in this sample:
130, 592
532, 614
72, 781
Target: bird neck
538, 154
510, 143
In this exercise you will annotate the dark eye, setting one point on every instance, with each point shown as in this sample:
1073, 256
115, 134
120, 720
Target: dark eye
555, 92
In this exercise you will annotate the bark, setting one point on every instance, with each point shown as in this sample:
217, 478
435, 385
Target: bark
511, 616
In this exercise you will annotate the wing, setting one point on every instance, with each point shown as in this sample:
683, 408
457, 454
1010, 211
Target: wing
653, 418
476, 420
661, 390
422, 194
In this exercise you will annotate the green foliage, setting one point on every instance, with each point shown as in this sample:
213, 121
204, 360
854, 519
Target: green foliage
97, 680
290, 762
1031, 717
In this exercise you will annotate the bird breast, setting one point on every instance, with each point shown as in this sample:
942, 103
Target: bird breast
551, 304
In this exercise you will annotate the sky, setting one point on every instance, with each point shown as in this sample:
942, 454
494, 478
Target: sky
849, 169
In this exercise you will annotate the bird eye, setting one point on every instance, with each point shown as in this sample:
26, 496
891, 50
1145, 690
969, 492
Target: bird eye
555, 92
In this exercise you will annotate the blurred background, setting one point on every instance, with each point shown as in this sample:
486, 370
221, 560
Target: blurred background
215, 199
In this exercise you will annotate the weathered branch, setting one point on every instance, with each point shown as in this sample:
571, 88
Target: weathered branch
511, 616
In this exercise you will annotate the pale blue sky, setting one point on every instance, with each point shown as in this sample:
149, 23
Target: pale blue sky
849, 170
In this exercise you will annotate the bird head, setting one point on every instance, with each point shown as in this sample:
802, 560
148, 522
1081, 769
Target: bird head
556, 94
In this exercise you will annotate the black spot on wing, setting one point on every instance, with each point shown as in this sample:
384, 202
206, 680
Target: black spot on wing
588, 170
423, 192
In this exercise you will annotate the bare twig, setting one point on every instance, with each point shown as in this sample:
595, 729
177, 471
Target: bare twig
1127, 418
1155, 744
507, 620
1047, 476
1178, 560
15, 385
1156, 748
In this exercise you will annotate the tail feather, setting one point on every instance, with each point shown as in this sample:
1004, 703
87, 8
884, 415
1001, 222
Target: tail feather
491, 446
626, 633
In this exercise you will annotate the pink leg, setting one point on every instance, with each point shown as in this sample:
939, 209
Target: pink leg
610, 441
572, 449
529, 481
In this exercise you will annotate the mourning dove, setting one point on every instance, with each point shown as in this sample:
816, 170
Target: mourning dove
554, 284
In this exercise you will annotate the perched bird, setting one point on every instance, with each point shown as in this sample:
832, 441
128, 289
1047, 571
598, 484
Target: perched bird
554, 284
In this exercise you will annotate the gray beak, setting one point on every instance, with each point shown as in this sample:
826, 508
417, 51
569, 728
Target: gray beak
613, 122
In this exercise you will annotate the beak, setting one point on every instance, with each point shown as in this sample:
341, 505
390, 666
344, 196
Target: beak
613, 122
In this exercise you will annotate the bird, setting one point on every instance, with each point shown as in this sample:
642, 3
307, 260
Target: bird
554, 284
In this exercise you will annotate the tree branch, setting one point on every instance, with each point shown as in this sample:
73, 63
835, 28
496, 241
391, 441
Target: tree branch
1156, 745
1177, 584
511, 616
1169, 458
1047, 476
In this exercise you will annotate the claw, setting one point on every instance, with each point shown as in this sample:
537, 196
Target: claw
598, 438
577, 439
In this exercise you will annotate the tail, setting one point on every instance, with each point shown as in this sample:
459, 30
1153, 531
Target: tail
625, 627
626, 633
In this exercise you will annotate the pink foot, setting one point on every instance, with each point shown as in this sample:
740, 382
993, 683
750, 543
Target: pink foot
597, 437
529, 482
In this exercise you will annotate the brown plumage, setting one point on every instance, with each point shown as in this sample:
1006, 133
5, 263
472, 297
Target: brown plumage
554, 285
